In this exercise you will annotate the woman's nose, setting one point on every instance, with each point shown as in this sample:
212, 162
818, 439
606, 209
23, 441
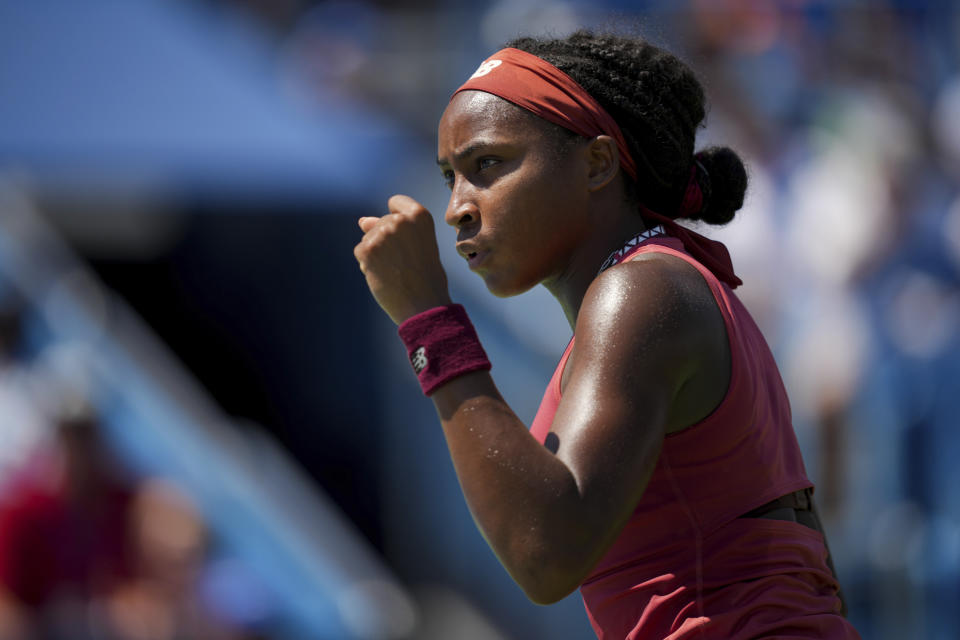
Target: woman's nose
462, 209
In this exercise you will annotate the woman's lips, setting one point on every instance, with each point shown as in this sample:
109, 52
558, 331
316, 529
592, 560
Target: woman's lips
473, 254
474, 258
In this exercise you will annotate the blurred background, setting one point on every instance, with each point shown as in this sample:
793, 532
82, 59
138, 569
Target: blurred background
208, 428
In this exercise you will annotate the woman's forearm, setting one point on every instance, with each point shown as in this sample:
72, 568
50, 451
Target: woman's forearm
523, 498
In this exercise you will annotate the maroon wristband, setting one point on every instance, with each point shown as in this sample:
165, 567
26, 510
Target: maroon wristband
442, 344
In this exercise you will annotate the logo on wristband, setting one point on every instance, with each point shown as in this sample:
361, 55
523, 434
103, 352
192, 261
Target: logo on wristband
419, 360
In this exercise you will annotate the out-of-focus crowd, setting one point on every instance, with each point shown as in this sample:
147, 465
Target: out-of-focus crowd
89, 550
848, 115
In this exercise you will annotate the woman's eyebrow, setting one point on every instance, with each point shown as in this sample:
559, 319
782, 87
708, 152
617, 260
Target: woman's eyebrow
469, 150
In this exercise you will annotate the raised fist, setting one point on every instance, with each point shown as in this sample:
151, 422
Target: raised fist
399, 257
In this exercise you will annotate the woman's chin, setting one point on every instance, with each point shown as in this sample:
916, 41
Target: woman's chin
505, 289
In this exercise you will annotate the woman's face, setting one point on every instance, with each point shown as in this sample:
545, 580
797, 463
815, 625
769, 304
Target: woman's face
518, 199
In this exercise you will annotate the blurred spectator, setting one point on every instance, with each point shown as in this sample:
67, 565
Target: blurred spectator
63, 534
163, 598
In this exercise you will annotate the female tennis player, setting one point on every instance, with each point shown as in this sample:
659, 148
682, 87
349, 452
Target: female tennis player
661, 475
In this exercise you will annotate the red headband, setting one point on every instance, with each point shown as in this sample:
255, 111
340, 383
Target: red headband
536, 85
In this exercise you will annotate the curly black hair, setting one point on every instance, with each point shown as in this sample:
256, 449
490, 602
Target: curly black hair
659, 104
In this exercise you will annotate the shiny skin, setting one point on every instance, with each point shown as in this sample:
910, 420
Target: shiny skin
651, 355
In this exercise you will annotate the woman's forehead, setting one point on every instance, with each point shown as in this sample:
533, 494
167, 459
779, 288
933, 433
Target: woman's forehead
472, 112
480, 102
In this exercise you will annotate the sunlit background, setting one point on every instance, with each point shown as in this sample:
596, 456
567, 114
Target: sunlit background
209, 430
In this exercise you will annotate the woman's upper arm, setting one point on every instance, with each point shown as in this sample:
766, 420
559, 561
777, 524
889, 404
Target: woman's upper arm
646, 330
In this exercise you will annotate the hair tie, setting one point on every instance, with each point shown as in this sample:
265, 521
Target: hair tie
699, 164
692, 202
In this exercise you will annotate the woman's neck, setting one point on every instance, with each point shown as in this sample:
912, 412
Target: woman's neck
610, 233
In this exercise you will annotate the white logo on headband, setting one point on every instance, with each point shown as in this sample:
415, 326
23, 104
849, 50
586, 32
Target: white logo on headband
486, 68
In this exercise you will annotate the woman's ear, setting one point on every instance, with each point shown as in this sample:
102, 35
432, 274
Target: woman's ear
604, 161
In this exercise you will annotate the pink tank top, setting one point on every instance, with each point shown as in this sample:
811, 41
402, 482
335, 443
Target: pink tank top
685, 565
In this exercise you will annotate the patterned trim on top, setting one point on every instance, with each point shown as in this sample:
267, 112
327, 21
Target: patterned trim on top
617, 255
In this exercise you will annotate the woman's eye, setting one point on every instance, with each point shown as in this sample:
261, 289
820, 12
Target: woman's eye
484, 163
448, 178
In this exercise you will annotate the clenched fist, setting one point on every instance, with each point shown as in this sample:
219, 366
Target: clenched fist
399, 257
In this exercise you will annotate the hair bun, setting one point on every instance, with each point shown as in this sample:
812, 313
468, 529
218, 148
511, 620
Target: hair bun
724, 184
